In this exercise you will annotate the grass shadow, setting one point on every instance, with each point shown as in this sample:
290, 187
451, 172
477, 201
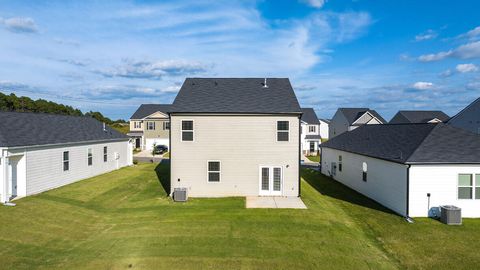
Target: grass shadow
331, 188
163, 175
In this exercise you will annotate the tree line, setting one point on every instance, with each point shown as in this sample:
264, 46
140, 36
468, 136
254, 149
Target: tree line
14, 103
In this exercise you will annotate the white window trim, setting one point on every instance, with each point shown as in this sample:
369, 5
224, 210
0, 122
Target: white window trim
288, 131
105, 154
181, 130
148, 125
282, 181
88, 157
314, 129
219, 172
472, 187
68, 161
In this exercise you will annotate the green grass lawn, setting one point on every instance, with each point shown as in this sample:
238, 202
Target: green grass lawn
124, 220
314, 158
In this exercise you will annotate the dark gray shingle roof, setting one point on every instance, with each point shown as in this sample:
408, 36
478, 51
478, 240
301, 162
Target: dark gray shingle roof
309, 116
352, 114
147, 109
411, 143
236, 95
27, 129
405, 117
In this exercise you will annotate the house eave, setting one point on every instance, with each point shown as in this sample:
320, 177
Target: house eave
59, 144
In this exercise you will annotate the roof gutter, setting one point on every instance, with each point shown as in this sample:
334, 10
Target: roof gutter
68, 143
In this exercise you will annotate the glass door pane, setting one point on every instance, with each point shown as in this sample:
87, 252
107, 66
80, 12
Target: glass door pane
265, 179
277, 179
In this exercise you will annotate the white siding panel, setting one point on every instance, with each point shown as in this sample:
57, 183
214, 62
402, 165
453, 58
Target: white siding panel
441, 182
45, 164
242, 144
386, 181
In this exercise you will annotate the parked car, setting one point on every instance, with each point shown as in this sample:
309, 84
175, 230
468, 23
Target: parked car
160, 149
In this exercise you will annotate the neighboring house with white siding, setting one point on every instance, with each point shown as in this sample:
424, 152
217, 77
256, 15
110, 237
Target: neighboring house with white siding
150, 125
39, 152
418, 117
310, 133
236, 137
324, 126
348, 119
412, 169
468, 118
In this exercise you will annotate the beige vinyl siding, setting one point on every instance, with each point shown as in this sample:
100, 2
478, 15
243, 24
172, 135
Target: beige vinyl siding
44, 165
159, 132
132, 125
242, 144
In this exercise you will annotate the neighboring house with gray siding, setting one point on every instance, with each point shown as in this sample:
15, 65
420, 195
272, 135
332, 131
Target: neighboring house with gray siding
418, 117
236, 137
411, 169
310, 133
348, 119
468, 118
150, 125
39, 152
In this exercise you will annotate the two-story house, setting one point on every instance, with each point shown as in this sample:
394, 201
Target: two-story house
417, 117
348, 119
150, 125
310, 134
324, 126
236, 137
468, 118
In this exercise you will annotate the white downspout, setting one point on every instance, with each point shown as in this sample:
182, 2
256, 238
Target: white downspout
5, 197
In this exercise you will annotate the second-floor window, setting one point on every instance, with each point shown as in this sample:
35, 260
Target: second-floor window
187, 130
166, 125
137, 124
150, 125
312, 128
282, 131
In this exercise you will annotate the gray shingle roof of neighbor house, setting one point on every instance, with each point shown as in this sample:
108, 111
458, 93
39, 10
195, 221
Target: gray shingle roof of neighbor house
411, 143
352, 114
147, 109
324, 120
471, 105
28, 129
309, 116
405, 117
236, 95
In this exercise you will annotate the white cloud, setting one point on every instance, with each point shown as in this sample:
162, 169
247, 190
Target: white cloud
465, 68
446, 73
155, 70
314, 3
474, 32
422, 85
20, 25
467, 51
429, 34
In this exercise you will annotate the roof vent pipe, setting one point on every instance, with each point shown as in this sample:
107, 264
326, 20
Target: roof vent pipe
265, 83
104, 128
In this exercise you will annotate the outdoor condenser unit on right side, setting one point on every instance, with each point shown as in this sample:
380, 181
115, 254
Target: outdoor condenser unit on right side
180, 194
451, 215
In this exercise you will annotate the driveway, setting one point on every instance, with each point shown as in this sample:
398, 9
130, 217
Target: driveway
146, 156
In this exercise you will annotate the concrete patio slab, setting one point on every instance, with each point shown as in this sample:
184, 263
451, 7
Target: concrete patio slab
275, 202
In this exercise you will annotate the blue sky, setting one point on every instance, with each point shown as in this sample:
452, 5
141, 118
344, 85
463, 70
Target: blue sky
112, 56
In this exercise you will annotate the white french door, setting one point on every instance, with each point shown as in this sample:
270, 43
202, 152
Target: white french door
271, 180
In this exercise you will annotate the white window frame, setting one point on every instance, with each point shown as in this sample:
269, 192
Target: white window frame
312, 127
193, 130
219, 172
137, 124
148, 125
105, 154
277, 131
472, 186
270, 191
166, 125
89, 152
66, 161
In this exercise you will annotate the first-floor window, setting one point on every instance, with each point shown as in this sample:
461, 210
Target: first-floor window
66, 161
282, 131
465, 186
90, 157
105, 154
365, 170
312, 146
214, 171
340, 164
